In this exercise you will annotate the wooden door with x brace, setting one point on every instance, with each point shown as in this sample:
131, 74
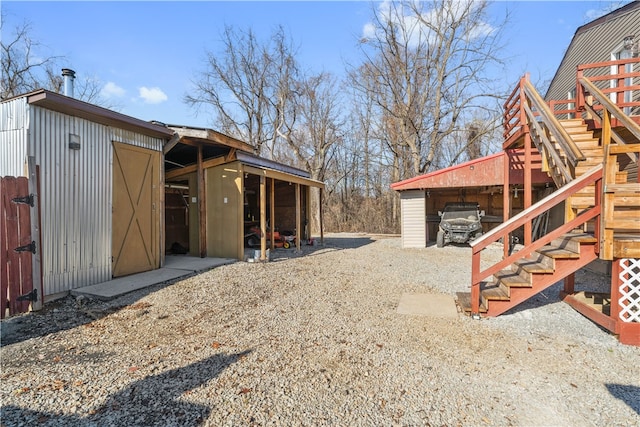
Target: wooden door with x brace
135, 211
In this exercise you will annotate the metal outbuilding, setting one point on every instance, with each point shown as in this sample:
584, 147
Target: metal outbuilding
99, 186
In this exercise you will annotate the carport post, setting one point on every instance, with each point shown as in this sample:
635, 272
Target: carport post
263, 219
272, 204
321, 223
202, 207
298, 217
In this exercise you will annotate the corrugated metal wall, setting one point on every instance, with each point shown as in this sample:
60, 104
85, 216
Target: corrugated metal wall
413, 217
14, 125
595, 44
76, 196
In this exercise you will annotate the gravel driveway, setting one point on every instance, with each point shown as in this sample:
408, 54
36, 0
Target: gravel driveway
315, 340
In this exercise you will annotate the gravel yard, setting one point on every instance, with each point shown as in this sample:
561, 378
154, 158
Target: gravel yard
315, 339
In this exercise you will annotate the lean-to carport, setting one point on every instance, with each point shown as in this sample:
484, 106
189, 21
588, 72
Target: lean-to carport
220, 189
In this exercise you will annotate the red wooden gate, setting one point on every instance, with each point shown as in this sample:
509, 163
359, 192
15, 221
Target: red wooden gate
16, 246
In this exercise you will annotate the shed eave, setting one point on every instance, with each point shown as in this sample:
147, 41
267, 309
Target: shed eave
75, 107
210, 136
282, 176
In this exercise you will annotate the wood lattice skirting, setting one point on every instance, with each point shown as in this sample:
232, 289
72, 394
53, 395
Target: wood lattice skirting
618, 312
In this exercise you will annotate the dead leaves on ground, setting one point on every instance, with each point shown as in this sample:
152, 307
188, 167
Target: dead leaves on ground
138, 306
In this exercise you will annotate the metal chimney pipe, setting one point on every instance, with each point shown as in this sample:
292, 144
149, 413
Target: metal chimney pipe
69, 76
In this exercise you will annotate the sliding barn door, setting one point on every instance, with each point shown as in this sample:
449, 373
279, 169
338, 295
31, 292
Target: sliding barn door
136, 214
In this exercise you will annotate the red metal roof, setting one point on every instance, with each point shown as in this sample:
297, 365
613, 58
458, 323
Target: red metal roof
485, 171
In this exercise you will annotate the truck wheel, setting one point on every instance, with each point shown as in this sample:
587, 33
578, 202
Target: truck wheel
253, 241
440, 239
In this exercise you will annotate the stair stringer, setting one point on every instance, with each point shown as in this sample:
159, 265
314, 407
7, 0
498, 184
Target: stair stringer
541, 281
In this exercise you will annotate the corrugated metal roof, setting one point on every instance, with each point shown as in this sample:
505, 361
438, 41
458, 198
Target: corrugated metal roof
485, 171
254, 160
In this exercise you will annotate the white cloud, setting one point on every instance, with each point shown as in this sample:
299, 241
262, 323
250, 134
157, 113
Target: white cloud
417, 27
368, 31
112, 90
153, 95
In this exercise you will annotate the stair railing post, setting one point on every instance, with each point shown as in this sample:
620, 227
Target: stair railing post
579, 92
506, 200
475, 283
620, 85
598, 202
527, 156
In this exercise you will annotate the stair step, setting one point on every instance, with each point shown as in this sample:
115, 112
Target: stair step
464, 302
582, 202
584, 138
572, 241
597, 151
533, 266
494, 293
573, 123
581, 237
587, 191
512, 279
589, 162
557, 253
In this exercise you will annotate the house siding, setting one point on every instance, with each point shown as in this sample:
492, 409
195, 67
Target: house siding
412, 208
591, 44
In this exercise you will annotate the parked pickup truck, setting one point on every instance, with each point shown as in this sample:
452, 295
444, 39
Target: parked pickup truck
459, 223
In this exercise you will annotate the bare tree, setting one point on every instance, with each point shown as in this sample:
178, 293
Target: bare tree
427, 62
22, 69
25, 69
248, 86
312, 142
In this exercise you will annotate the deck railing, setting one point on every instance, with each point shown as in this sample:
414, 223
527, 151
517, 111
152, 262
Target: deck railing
619, 80
526, 110
594, 176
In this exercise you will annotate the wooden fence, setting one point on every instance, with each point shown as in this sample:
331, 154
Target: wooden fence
17, 247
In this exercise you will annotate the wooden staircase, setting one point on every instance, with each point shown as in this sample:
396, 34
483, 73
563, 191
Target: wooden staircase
534, 273
597, 185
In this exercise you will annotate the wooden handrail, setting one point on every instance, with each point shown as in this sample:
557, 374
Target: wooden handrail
550, 149
616, 112
570, 148
504, 229
536, 209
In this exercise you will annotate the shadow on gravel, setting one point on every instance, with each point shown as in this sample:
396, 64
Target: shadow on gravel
56, 316
347, 242
333, 243
61, 315
153, 400
71, 312
629, 394
551, 295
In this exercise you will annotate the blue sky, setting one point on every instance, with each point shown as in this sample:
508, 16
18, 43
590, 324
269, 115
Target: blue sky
147, 53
